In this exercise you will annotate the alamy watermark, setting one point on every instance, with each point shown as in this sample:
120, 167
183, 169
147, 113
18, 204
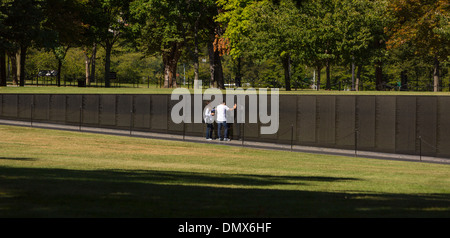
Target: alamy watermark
188, 110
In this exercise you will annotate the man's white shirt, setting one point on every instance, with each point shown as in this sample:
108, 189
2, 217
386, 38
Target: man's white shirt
221, 112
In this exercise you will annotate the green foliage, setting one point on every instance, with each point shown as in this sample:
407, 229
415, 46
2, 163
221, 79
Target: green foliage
130, 66
236, 16
159, 24
23, 21
133, 67
358, 24
314, 33
40, 60
73, 66
425, 24
272, 39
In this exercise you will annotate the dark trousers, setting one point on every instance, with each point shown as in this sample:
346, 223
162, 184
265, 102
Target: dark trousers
219, 128
209, 130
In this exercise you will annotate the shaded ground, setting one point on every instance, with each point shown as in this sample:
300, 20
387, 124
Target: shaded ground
74, 193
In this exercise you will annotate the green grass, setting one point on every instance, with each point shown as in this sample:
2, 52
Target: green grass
51, 173
156, 90
84, 90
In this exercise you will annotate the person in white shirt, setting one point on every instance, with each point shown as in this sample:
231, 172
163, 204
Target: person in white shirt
221, 112
209, 119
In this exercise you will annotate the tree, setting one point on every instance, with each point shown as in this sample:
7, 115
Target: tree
90, 54
424, 24
359, 25
193, 34
263, 29
64, 19
2, 67
234, 17
318, 35
200, 28
3, 46
107, 23
161, 30
215, 60
89, 40
23, 27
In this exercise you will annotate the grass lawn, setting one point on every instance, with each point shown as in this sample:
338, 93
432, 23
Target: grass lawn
153, 89
51, 173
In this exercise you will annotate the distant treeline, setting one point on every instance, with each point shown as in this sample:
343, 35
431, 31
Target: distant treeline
290, 44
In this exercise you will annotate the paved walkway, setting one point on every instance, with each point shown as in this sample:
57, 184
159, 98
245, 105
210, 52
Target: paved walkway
252, 144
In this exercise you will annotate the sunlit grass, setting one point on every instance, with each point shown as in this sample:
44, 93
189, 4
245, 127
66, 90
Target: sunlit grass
155, 89
51, 173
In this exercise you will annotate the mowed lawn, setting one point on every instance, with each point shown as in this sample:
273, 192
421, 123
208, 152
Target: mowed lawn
155, 89
51, 173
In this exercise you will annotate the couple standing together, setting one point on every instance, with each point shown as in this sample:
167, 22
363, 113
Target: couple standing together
221, 112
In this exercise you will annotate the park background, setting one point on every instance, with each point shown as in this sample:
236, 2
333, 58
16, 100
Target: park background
338, 45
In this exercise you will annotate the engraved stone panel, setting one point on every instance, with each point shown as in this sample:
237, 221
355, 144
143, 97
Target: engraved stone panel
385, 123
306, 119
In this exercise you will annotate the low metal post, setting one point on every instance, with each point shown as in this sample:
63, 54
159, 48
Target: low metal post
243, 134
131, 120
420, 148
31, 114
356, 142
81, 116
184, 129
292, 135
131, 115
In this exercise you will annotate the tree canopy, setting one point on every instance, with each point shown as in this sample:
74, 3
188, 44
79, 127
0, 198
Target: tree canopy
423, 25
376, 44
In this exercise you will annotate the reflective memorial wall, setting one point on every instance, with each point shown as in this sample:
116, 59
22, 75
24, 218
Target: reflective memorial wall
393, 124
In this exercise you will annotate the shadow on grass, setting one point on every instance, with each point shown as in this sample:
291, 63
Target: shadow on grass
27, 192
18, 159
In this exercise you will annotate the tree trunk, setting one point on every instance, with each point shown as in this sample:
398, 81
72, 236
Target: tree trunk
108, 50
167, 74
328, 86
87, 66
60, 57
403, 80
2, 67
238, 79
218, 71
319, 67
212, 81
90, 65
196, 64
58, 77
168, 77
353, 74
379, 76
215, 67
170, 72
170, 60
23, 55
287, 71
94, 55
358, 77
436, 75
13, 59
